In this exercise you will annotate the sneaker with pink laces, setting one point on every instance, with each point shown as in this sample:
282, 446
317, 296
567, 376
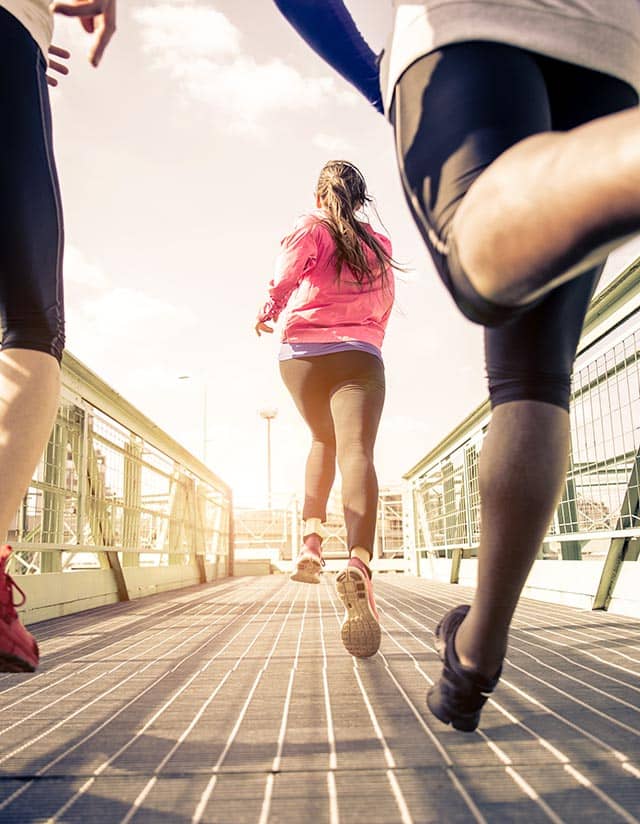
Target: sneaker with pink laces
18, 648
309, 562
361, 625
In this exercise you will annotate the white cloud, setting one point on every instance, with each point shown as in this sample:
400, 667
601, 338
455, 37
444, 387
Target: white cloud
105, 321
79, 270
177, 32
130, 311
200, 49
333, 145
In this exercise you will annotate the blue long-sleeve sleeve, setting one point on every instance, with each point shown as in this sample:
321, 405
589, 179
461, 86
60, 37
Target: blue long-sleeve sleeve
329, 29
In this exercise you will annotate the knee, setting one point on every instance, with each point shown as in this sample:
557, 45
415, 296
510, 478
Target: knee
441, 243
325, 441
532, 385
474, 306
354, 452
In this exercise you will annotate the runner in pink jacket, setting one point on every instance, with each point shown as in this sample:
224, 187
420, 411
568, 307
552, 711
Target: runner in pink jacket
334, 278
319, 307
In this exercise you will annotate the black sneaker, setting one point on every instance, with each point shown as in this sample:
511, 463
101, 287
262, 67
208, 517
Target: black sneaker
458, 697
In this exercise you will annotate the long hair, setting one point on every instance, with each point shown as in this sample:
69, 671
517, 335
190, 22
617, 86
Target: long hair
342, 192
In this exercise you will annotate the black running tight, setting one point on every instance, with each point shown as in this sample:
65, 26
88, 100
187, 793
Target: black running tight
340, 397
31, 236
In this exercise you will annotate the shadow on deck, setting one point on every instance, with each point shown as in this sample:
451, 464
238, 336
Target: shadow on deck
235, 702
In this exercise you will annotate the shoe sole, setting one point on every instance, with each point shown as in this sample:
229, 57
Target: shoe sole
12, 663
360, 629
307, 572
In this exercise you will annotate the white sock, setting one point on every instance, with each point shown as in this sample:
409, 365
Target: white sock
313, 526
361, 553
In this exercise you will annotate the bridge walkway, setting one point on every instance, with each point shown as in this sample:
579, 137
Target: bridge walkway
236, 702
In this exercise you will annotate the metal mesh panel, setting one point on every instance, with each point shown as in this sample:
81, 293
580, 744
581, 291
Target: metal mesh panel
605, 441
100, 487
605, 422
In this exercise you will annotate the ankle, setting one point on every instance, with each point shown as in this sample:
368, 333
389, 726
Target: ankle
481, 652
313, 542
312, 526
362, 554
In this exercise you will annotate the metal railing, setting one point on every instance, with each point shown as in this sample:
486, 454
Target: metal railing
598, 516
114, 493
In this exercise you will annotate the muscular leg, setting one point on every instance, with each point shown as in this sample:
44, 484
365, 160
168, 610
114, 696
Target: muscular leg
307, 382
522, 469
320, 471
530, 358
547, 203
31, 298
31, 240
504, 233
355, 459
29, 389
524, 457
356, 407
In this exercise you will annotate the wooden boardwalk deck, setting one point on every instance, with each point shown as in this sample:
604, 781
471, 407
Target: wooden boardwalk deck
236, 702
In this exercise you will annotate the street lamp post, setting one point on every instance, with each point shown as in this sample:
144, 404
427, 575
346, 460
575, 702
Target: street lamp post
268, 414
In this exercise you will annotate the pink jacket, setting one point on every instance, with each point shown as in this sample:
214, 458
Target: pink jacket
320, 308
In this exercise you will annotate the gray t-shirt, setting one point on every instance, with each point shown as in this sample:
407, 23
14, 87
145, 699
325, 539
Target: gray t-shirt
598, 34
35, 17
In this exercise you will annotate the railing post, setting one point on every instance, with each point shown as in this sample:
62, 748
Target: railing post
295, 527
456, 557
231, 533
567, 513
619, 547
80, 451
55, 459
131, 500
199, 539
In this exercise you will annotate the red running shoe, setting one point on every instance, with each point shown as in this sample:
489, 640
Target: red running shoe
309, 562
18, 648
361, 625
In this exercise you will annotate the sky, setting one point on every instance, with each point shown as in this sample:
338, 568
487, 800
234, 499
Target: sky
183, 159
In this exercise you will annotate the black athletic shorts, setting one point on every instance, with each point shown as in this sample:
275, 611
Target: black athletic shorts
454, 112
31, 232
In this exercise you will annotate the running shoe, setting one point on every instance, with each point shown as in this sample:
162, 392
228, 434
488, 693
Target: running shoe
18, 648
309, 562
361, 625
458, 697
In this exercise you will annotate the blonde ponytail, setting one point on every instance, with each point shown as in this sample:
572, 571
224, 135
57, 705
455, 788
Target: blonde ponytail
342, 191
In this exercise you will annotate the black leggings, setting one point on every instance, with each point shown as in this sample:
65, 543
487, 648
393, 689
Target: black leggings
31, 234
455, 111
340, 397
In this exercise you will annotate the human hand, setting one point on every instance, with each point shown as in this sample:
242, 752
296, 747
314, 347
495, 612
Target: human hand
261, 327
98, 17
54, 66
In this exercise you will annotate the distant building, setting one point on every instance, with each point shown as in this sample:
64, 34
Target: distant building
263, 532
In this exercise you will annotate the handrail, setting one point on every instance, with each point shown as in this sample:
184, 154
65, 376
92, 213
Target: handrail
120, 501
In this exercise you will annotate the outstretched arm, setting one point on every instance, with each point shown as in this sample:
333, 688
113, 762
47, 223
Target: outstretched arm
330, 30
298, 254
